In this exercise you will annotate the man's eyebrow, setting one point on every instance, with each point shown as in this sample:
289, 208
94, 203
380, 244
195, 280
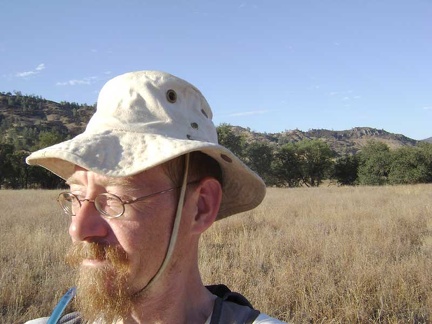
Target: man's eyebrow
125, 181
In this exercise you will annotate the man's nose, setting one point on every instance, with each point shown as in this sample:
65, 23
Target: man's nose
88, 224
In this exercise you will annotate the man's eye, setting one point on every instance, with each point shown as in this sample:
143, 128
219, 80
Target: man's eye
112, 201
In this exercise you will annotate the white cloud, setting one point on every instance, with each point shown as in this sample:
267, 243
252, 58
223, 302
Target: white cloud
26, 74
83, 81
344, 95
40, 67
250, 113
427, 108
248, 5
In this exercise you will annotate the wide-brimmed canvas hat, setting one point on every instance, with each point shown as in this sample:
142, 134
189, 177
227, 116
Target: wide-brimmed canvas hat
144, 119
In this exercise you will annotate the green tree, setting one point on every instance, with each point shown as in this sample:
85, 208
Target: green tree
259, 158
19, 176
286, 166
226, 137
6, 170
409, 165
48, 138
345, 170
315, 158
41, 178
374, 167
426, 149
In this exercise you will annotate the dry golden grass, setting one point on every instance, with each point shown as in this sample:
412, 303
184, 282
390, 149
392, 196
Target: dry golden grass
307, 255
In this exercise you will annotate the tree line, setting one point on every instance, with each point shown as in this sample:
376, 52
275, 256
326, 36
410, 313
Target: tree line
16, 174
304, 163
309, 162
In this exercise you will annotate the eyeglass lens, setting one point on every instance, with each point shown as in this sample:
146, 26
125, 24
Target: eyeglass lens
68, 203
107, 204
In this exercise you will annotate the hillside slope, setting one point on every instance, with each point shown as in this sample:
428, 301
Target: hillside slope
23, 115
342, 142
31, 114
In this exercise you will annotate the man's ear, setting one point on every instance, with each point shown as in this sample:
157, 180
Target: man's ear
209, 196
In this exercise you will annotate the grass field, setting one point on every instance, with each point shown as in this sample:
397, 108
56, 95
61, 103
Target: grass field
306, 255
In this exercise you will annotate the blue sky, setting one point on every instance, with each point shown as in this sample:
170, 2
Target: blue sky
271, 65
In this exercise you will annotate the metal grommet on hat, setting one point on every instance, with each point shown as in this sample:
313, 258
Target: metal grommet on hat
171, 96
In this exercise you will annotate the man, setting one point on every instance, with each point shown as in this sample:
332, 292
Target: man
147, 178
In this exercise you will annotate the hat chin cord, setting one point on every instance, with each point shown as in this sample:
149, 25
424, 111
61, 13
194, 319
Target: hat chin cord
174, 232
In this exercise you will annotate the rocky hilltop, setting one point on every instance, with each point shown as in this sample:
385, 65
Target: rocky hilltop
342, 142
24, 114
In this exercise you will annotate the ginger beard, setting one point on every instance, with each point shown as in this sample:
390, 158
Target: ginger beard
102, 291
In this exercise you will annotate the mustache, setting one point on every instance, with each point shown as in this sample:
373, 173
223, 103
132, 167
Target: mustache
80, 251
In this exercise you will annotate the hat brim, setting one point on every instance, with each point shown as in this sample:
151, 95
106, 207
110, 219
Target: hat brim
117, 153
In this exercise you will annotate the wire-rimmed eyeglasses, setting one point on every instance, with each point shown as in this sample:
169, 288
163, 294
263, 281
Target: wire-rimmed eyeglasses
108, 204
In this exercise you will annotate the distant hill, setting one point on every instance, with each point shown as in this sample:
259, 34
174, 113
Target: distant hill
342, 142
29, 114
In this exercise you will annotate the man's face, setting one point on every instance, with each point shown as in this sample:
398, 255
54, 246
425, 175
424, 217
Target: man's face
118, 257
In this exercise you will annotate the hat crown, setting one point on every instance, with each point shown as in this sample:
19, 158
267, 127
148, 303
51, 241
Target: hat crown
153, 102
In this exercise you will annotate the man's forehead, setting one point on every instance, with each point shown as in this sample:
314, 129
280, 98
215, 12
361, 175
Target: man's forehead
81, 175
